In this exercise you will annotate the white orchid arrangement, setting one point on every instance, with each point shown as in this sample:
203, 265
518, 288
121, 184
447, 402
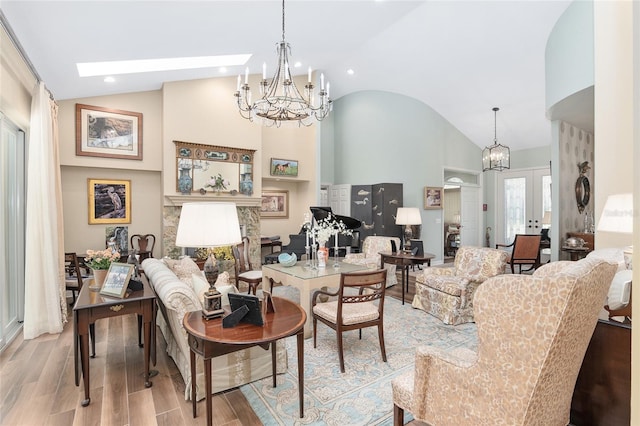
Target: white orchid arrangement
325, 228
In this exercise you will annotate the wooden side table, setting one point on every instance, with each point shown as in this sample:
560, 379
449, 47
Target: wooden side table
92, 306
576, 253
209, 339
404, 260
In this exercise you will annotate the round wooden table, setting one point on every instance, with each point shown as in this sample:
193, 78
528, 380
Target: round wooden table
209, 339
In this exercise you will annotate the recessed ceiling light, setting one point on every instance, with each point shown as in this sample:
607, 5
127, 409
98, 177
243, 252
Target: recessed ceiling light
109, 79
297, 64
88, 69
222, 70
350, 71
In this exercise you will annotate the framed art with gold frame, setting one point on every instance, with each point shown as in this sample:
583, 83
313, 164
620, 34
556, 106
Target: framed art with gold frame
109, 201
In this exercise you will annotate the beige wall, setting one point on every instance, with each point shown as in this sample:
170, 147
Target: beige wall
147, 103
146, 214
203, 111
145, 175
616, 115
199, 111
16, 84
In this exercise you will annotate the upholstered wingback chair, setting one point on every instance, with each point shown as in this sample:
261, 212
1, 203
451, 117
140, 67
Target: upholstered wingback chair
447, 293
533, 332
370, 255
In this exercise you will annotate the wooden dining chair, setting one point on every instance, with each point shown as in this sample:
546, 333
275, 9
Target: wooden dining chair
525, 251
354, 307
73, 277
243, 269
143, 245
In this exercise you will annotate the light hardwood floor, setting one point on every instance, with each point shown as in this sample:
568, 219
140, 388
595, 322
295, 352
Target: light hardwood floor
37, 384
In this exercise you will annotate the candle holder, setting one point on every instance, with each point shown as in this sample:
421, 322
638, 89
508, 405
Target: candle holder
336, 262
314, 258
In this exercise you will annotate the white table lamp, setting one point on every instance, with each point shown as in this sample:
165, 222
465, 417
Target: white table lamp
617, 216
209, 225
408, 216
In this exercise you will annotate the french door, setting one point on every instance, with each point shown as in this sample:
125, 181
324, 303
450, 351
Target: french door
523, 197
12, 213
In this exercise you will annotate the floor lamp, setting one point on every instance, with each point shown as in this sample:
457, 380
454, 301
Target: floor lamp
209, 225
408, 216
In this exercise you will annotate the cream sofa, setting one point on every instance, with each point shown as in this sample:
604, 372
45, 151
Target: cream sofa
177, 296
370, 256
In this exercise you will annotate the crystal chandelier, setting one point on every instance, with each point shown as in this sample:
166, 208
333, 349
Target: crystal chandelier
496, 156
280, 99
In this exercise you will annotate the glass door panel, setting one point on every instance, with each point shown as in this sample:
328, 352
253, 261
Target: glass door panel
523, 198
515, 207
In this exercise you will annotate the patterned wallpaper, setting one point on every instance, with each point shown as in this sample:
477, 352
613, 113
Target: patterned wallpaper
576, 146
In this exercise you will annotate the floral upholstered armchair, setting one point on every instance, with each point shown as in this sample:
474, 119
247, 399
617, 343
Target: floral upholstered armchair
447, 293
370, 256
533, 332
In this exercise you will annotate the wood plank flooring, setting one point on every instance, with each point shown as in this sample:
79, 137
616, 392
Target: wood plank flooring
37, 383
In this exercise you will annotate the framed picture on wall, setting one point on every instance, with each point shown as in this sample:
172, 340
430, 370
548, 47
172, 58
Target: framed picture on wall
109, 133
280, 167
109, 201
432, 197
275, 204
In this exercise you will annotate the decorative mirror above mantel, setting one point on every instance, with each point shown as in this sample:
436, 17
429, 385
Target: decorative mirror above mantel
211, 168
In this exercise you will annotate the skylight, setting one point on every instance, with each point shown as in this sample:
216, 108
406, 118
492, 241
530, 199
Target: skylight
89, 69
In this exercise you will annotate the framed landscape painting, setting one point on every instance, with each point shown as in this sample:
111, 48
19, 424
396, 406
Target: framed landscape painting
110, 133
432, 197
109, 201
275, 204
283, 167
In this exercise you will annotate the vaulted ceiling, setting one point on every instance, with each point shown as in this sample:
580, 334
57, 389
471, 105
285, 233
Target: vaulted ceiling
459, 57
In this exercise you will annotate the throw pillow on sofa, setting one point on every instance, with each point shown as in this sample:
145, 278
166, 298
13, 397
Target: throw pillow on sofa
183, 268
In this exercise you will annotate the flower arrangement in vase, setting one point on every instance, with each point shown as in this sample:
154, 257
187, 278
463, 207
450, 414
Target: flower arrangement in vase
217, 183
322, 231
100, 261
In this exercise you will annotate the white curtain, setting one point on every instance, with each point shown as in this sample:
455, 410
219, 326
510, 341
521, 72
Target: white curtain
45, 308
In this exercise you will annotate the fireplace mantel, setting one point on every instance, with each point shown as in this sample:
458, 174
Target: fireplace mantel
239, 200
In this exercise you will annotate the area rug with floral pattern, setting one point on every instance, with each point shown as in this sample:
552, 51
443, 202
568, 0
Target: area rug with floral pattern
362, 394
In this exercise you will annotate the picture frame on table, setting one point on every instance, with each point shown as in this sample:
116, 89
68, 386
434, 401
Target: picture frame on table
281, 167
108, 133
109, 201
275, 204
432, 197
117, 280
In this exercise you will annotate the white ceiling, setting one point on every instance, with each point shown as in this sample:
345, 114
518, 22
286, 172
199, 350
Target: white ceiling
459, 57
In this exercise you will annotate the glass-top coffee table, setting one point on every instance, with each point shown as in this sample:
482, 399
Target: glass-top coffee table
306, 280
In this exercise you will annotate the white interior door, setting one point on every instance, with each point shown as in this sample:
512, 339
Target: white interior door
523, 197
470, 216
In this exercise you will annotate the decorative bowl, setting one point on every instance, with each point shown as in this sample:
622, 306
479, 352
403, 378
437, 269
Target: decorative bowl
574, 242
287, 259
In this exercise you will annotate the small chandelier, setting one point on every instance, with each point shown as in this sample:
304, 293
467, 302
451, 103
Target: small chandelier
496, 156
280, 99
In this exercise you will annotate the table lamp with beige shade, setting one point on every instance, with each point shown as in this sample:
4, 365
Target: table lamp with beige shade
209, 224
617, 217
408, 216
